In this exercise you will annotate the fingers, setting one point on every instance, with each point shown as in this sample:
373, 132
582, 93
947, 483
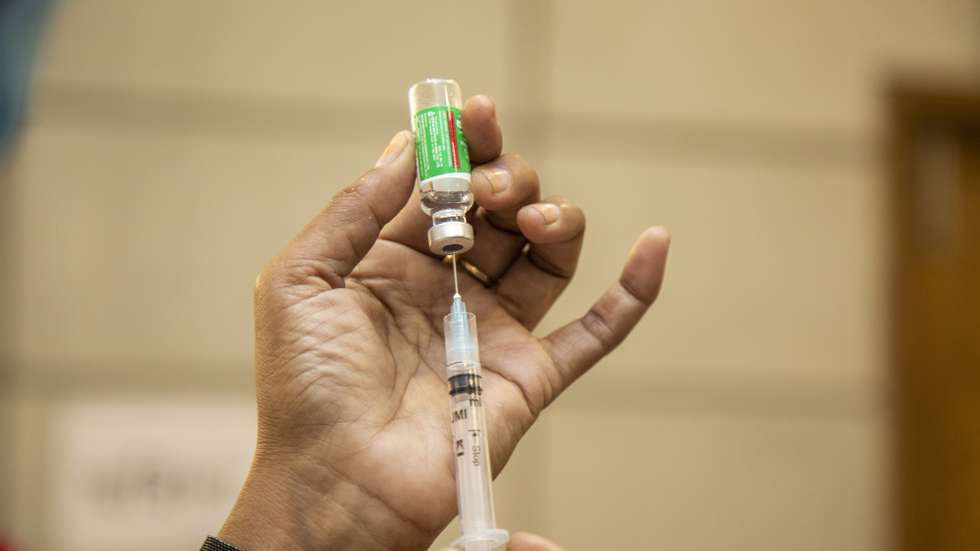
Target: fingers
484, 142
501, 188
577, 346
523, 541
555, 229
332, 244
481, 129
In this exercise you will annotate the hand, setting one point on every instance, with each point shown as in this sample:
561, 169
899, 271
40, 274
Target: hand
522, 541
353, 446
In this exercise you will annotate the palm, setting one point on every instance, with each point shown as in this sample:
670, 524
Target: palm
380, 401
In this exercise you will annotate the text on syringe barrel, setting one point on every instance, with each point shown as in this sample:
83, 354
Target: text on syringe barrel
470, 452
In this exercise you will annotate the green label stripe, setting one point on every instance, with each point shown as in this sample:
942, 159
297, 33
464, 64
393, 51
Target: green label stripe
440, 147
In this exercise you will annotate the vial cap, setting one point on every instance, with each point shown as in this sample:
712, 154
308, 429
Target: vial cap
450, 238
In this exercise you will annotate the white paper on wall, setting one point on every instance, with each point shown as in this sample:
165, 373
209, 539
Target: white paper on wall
162, 472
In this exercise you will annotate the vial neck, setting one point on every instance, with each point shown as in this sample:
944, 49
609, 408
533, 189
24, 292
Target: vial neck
442, 216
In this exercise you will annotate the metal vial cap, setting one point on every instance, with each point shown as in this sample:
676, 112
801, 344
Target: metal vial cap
450, 238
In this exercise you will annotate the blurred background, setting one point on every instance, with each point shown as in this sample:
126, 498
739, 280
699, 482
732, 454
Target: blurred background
809, 379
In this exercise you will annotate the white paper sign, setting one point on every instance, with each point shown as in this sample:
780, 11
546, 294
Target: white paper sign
157, 474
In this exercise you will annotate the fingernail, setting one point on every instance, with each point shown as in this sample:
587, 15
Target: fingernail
549, 212
394, 149
499, 180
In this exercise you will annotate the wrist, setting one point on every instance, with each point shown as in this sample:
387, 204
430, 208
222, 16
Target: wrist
285, 507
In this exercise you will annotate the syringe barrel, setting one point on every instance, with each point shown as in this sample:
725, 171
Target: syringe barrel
469, 428
462, 348
476, 513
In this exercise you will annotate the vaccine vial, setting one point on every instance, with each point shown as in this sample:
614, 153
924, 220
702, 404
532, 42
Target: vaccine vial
443, 162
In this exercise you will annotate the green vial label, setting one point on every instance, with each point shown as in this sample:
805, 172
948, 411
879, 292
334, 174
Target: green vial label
440, 147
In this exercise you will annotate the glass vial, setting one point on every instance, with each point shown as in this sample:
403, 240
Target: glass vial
443, 161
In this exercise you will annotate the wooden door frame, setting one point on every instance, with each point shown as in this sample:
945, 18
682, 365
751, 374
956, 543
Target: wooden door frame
916, 109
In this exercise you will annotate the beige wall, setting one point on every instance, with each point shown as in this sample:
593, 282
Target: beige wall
173, 146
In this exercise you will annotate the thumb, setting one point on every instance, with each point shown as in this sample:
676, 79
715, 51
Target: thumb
344, 231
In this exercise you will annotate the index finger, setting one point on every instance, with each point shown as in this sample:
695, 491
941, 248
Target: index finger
481, 129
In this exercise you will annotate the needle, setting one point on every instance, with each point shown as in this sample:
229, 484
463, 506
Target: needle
455, 276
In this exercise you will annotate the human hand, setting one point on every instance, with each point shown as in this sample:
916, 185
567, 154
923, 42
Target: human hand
523, 541
353, 448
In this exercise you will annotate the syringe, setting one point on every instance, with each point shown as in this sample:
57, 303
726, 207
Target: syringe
474, 496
